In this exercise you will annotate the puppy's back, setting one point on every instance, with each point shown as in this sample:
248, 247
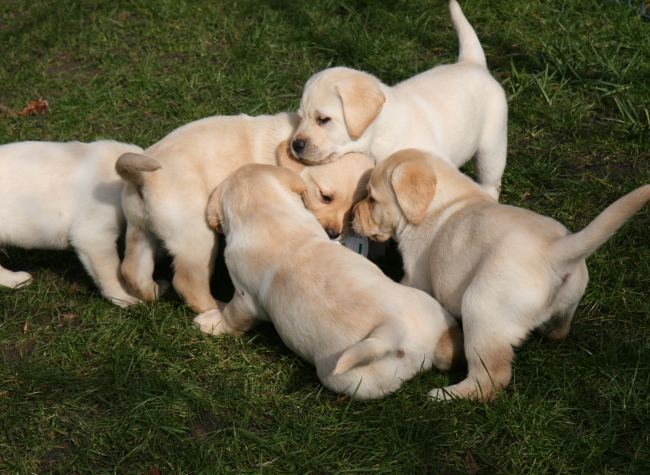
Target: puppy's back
387, 331
43, 186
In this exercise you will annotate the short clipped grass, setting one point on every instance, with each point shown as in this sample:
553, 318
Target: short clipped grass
86, 387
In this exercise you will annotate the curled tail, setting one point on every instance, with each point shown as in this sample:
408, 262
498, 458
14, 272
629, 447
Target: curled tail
379, 343
470, 47
581, 245
131, 165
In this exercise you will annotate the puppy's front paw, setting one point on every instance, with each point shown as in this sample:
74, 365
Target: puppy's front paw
211, 322
126, 301
16, 280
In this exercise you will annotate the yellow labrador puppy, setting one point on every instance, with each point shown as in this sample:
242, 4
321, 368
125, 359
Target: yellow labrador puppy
62, 196
455, 111
364, 333
504, 270
332, 188
168, 188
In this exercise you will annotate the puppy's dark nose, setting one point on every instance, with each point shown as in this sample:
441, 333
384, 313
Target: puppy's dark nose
298, 145
332, 234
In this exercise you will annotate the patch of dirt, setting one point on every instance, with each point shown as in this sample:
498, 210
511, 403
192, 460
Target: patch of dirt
67, 68
202, 426
615, 168
64, 448
12, 353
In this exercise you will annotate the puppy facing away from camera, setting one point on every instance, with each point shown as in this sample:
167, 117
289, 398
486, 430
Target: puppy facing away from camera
364, 333
456, 111
61, 196
168, 188
504, 270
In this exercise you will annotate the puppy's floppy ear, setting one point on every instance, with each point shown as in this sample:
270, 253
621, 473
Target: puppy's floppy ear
362, 100
287, 160
414, 183
215, 209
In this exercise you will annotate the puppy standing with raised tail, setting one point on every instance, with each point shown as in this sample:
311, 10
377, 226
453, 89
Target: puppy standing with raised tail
504, 270
455, 111
364, 333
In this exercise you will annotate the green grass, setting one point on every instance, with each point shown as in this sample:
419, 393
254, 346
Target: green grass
86, 387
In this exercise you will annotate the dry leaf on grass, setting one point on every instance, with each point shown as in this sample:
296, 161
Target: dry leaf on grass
69, 317
470, 464
39, 107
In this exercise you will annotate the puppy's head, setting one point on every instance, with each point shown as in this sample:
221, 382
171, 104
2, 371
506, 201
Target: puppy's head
400, 190
337, 107
248, 190
334, 188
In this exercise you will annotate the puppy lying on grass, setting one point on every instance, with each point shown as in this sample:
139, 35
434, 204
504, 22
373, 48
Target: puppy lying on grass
169, 186
504, 270
65, 195
364, 333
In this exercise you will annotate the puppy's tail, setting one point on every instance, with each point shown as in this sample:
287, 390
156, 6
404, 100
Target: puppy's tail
130, 166
380, 342
581, 245
470, 47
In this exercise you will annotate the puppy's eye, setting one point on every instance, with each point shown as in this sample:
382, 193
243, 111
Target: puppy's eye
371, 200
322, 120
326, 198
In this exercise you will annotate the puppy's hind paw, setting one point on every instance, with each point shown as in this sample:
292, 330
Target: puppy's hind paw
441, 395
493, 190
211, 322
473, 391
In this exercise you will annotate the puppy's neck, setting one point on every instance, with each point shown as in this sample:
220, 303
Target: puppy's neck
455, 192
414, 242
385, 132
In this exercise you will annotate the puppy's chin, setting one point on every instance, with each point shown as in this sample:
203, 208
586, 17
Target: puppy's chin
373, 234
315, 155
380, 237
319, 158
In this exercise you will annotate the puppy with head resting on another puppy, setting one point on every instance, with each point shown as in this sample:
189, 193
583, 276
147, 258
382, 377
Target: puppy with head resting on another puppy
168, 188
364, 333
504, 270
61, 196
456, 111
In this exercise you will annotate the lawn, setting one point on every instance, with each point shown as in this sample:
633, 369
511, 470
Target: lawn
86, 387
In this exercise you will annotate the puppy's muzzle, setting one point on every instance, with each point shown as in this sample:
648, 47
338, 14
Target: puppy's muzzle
332, 234
298, 146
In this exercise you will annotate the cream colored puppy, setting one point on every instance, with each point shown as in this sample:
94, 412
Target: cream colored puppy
168, 188
456, 111
505, 270
364, 333
332, 188
61, 196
